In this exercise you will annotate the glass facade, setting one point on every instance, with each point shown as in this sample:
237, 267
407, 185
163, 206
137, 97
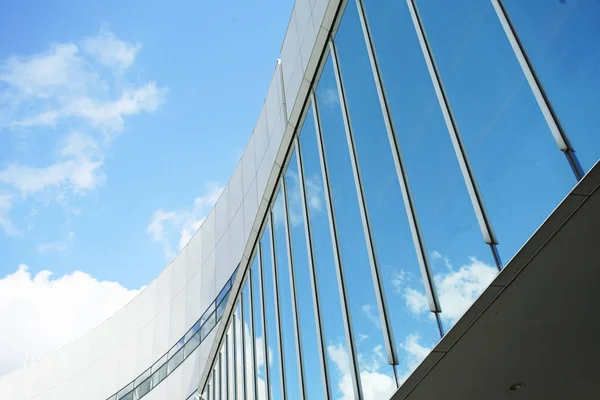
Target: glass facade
436, 138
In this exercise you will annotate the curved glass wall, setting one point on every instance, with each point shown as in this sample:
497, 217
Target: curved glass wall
428, 151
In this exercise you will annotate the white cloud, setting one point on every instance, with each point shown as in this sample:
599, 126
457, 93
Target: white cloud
111, 51
168, 227
329, 97
57, 246
69, 91
368, 312
77, 169
375, 385
40, 314
5, 223
415, 352
457, 289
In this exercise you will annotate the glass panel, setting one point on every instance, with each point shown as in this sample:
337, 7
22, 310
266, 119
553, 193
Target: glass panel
248, 338
208, 326
159, 375
230, 364
176, 348
353, 251
175, 361
393, 241
192, 331
285, 300
143, 388
561, 40
333, 324
271, 328
224, 292
223, 374
308, 327
207, 314
123, 392
258, 332
191, 345
239, 360
159, 363
520, 171
222, 305
461, 262
142, 377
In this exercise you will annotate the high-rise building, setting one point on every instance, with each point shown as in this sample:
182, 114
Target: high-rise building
416, 215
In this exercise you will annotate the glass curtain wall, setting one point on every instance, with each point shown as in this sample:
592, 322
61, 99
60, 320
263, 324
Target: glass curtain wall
423, 160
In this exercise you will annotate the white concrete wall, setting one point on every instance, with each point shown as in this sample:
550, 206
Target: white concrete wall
110, 356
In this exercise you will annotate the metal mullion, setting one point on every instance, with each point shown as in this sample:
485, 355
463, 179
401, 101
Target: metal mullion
352, 357
476, 198
560, 136
386, 328
275, 275
264, 321
220, 384
253, 335
293, 289
243, 344
234, 352
409, 204
313, 273
226, 367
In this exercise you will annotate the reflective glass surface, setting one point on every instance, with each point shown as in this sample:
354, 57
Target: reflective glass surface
304, 292
519, 169
353, 251
208, 326
333, 324
230, 364
270, 313
286, 311
239, 356
393, 241
258, 332
248, 338
461, 262
175, 360
561, 40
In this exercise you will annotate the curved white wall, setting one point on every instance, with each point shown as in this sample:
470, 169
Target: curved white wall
110, 356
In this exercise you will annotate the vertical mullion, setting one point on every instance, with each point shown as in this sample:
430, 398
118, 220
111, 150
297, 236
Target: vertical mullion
476, 199
234, 353
413, 220
220, 368
386, 328
313, 273
544, 104
264, 321
226, 366
253, 333
279, 338
293, 289
243, 344
352, 357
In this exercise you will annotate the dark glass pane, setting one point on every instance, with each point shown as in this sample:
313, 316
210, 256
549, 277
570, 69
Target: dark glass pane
308, 328
174, 361
159, 375
519, 169
333, 324
191, 345
561, 40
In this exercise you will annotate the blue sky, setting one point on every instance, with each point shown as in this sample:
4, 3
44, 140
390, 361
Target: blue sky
119, 124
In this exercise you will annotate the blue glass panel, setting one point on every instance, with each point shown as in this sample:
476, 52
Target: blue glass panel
460, 260
354, 258
248, 341
561, 40
520, 171
258, 331
395, 250
308, 328
271, 328
286, 312
333, 325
